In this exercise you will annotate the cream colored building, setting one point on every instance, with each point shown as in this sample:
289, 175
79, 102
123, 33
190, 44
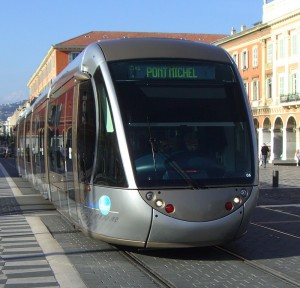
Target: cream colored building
268, 57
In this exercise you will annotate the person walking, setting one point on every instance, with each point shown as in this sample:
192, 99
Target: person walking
264, 154
297, 157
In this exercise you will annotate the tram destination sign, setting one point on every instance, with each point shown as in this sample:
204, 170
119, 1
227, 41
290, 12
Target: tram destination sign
166, 71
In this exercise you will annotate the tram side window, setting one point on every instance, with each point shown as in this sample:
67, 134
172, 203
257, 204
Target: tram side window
109, 168
35, 129
27, 139
86, 130
56, 130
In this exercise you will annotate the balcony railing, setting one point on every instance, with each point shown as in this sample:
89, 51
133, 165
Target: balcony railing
290, 98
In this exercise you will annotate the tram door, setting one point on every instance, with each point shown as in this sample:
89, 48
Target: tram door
28, 167
56, 116
21, 148
68, 148
60, 150
39, 150
84, 139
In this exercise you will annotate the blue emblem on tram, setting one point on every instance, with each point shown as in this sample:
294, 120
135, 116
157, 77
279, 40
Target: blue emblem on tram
104, 204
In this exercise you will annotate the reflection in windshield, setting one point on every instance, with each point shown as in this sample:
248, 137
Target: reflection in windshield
177, 154
183, 134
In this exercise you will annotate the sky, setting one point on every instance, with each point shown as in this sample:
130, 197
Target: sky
30, 27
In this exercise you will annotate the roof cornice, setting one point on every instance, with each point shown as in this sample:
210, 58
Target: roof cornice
256, 28
49, 53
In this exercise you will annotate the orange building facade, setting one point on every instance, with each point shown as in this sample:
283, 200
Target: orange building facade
268, 58
61, 54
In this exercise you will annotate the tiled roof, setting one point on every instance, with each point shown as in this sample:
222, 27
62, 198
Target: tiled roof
85, 39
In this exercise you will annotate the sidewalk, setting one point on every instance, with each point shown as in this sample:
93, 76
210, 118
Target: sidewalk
29, 255
289, 177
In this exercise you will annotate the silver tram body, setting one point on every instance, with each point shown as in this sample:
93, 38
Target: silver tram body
106, 144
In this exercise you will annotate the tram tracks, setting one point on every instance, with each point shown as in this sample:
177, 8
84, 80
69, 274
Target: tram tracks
195, 267
231, 265
265, 225
275, 273
157, 275
245, 256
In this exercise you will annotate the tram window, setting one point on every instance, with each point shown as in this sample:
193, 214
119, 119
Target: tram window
56, 122
158, 112
27, 138
86, 130
109, 168
182, 92
36, 156
41, 150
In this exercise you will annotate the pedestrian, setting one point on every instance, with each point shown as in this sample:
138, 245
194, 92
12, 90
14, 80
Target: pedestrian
6, 152
297, 157
264, 154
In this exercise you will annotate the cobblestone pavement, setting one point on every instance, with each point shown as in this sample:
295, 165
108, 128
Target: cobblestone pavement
289, 176
25, 263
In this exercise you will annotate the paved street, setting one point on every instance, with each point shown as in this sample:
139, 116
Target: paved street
38, 248
289, 176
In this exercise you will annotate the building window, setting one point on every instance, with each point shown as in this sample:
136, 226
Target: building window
281, 85
244, 60
293, 84
246, 86
294, 44
255, 92
235, 58
269, 87
255, 57
280, 48
270, 53
73, 55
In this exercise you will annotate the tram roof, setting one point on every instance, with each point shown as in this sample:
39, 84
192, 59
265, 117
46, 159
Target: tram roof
139, 48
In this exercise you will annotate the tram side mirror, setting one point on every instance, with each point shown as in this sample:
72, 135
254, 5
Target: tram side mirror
81, 76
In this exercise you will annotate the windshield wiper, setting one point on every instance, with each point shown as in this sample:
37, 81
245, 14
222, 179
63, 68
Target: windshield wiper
151, 140
155, 148
182, 173
152, 143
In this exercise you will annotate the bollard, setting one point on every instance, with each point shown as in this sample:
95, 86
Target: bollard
275, 178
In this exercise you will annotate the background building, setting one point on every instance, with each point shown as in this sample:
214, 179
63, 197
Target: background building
61, 54
268, 58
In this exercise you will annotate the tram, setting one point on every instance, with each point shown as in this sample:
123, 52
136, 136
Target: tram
147, 143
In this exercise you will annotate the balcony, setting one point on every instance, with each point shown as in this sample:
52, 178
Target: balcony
290, 100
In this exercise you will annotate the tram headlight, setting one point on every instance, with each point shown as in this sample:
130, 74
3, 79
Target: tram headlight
159, 203
236, 200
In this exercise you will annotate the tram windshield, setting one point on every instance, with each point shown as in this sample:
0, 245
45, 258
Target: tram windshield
186, 123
